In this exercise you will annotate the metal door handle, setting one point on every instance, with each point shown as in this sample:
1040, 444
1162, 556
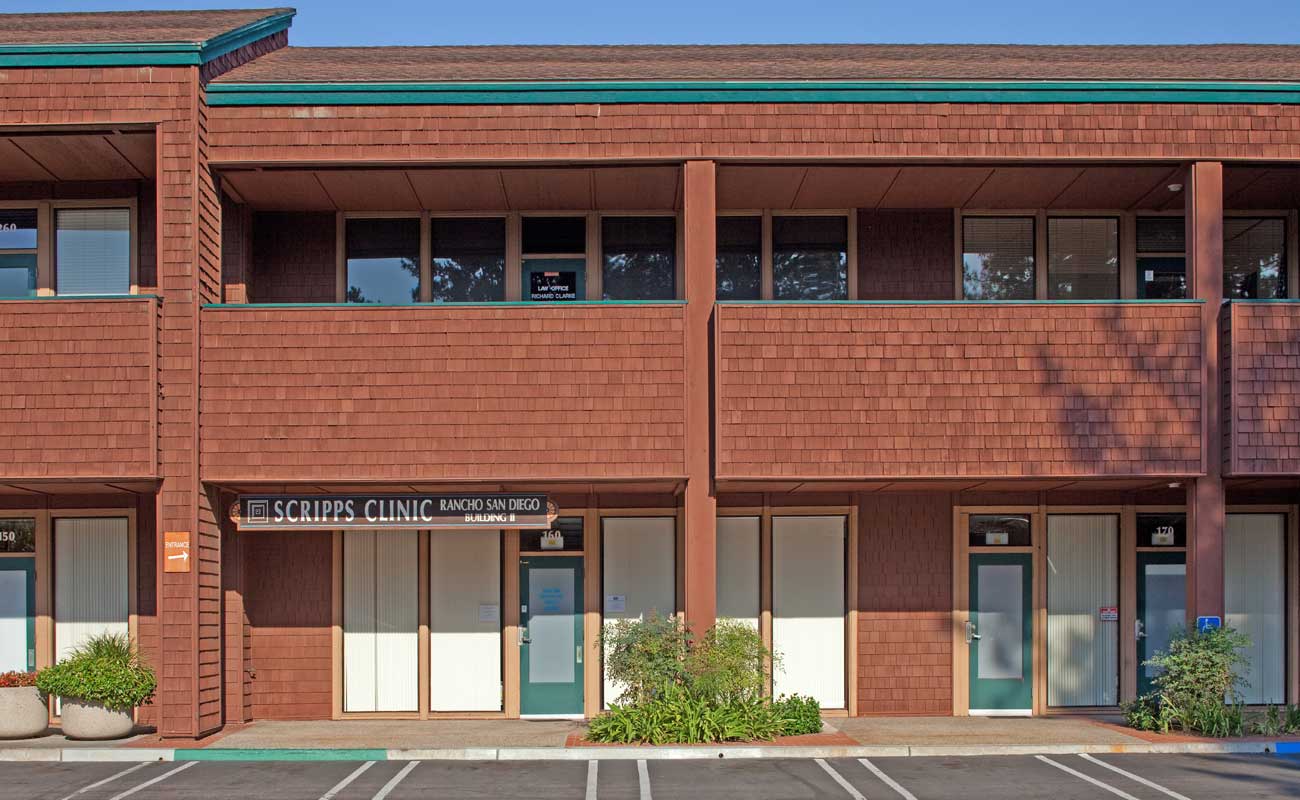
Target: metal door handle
578, 649
1139, 632
523, 636
971, 635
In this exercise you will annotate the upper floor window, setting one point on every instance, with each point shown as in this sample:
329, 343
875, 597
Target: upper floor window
810, 258
92, 251
469, 260
1254, 257
998, 258
638, 258
1161, 258
18, 252
383, 261
740, 258
1082, 258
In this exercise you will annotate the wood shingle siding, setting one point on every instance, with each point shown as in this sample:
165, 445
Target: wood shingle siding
1262, 377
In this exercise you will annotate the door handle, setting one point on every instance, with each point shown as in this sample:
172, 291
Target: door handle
578, 651
971, 635
523, 636
1139, 632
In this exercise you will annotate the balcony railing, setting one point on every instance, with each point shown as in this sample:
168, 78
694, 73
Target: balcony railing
931, 390
1261, 362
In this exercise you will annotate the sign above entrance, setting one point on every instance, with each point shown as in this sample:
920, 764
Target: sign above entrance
289, 512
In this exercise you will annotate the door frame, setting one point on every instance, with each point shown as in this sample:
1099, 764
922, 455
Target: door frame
580, 616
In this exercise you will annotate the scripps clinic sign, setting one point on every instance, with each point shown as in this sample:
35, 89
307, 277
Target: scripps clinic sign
289, 512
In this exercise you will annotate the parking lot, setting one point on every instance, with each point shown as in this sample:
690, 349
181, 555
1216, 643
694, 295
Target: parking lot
1060, 777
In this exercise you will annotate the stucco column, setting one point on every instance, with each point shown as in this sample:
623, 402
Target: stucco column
1203, 193
700, 236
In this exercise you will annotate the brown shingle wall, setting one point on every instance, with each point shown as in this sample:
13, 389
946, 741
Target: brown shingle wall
1264, 407
76, 397
288, 580
423, 393
905, 254
937, 390
856, 130
292, 258
905, 611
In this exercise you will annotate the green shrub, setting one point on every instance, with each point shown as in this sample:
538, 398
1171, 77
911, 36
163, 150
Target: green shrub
645, 657
1147, 714
1277, 721
678, 717
798, 714
105, 669
1199, 686
727, 662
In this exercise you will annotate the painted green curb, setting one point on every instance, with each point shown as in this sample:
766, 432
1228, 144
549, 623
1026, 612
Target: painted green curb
285, 754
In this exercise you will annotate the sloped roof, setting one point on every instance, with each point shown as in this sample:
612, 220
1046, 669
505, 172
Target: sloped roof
128, 27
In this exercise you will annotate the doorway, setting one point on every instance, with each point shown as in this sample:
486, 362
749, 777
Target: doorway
550, 636
1161, 608
17, 614
1000, 634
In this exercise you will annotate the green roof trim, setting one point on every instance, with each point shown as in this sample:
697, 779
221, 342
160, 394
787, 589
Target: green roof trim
451, 306
614, 92
140, 54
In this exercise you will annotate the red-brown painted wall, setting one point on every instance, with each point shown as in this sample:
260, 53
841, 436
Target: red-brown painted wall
905, 254
905, 604
860, 391
425, 393
1262, 393
78, 394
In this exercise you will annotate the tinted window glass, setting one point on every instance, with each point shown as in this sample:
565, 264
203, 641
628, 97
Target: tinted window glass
1161, 277
17, 274
1161, 530
998, 258
740, 258
18, 229
1254, 258
1082, 258
554, 235
569, 539
1000, 530
17, 536
469, 260
1161, 235
810, 258
639, 258
383, 261
92, 250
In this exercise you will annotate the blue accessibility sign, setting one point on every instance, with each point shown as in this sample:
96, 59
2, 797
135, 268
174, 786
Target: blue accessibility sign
1204, 624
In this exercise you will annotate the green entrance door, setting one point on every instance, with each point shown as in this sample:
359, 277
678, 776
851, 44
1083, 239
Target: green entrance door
17, 615
550, 658
1161, 607
554, 280
1000, 633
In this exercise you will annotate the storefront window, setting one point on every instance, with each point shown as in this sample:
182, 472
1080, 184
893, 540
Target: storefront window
639, 258
1254, 258
18, 253
810, 258
383, 261
1082, 258
469, 260
92, 251
998, 258
999, 530
740, 258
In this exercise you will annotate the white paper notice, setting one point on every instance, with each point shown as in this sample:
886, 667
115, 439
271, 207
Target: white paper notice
615, 603
489, 612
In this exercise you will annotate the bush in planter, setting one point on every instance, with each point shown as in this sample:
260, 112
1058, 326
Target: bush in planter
105, 670
23, 710
646, 656
1199, 687
799, 715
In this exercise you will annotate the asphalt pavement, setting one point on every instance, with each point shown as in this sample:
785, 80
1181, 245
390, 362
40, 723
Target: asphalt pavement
1058, 777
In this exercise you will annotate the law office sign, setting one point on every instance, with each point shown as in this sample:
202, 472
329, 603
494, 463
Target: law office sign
290, 512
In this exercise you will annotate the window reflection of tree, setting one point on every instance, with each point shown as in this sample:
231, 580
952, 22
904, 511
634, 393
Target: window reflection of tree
1253, 254
998, 276
644, 275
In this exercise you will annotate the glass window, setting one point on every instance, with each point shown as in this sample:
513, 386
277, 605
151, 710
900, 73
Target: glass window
92, 250
17, 535
639, 258
740, 258
469, 260
18, 253
554, 235
18, 229
1162, 530
1000, 530
810, 258
383, 261
998, 258
1082, 258
1161, 259
1254, 258
565, 534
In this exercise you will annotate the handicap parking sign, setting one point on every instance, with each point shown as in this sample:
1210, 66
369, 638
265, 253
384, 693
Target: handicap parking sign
1204, 624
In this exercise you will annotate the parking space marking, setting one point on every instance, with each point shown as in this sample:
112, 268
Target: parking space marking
109, 779
1076, 773
888, 781
152, 781
396, 779
838, 778
1138, 778
591, 780
643, 778
343, 784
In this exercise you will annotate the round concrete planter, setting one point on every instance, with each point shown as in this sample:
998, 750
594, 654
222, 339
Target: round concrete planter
23, 713
85, 720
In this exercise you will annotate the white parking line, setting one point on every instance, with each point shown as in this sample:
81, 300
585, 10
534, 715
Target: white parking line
643, 778
392, 784
890, 782
1138, 778
1087, 778
343, 784
151, 782
845, 785
591, 780
109, 779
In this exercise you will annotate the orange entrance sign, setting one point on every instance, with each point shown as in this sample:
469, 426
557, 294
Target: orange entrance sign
176, 551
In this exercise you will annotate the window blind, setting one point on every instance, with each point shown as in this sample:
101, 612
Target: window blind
1161, 235
92, 250
1083, 258
998, 258
1254, 257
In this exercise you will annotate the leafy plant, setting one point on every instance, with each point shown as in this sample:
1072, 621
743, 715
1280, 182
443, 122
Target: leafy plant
105, 669
799, 715
1277, 721
1199, 686
1147, 714
727, 662
645, 657
14, 680
678, 717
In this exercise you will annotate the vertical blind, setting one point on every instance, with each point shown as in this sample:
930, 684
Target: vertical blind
1083, 258
92, 251
1082, 579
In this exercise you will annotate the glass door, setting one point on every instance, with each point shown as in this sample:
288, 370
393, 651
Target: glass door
550, 639
17, 615
1161, 607
1000, 634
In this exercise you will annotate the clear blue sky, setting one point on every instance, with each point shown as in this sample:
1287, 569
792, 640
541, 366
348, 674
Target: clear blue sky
380, 22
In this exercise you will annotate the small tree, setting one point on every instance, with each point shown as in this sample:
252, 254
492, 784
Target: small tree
647, 656
1199, 686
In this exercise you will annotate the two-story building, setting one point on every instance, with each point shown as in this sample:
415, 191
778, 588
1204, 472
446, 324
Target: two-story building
965, 374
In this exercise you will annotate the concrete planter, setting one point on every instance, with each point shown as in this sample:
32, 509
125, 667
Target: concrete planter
86, 720
23, 713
